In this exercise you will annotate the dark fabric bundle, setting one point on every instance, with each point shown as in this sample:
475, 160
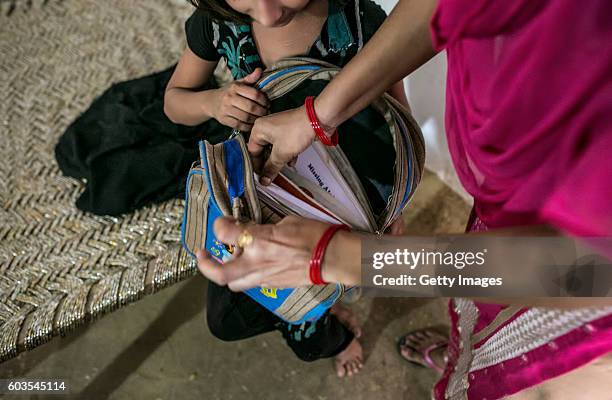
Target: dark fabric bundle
128, 151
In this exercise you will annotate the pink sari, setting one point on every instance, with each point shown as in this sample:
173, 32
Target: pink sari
529, 126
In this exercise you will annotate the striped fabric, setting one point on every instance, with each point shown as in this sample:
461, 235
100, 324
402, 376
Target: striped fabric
208, 188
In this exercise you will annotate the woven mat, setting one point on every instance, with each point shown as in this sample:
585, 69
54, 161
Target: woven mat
60, 267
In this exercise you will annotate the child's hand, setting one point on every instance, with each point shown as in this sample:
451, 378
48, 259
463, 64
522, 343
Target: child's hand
239, 104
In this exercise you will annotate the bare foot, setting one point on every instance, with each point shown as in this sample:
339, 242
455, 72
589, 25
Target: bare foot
426, 348
347, 317
350, 361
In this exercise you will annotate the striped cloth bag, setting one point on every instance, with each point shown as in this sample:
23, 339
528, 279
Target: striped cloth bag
223, 184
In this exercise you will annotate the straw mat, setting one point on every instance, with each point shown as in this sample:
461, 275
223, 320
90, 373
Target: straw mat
60, 267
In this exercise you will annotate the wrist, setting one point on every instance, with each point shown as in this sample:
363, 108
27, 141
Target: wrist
328, 117
326, 135
209, 100
303, 112
342, 262
324, 119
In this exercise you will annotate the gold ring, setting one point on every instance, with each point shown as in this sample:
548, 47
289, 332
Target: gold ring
244, 239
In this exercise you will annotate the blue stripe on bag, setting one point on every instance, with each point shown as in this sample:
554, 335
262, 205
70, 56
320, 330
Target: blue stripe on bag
286, 71
234, 167
408, 189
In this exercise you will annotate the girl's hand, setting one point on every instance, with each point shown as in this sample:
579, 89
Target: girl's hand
289, 133
239, 104
278, 256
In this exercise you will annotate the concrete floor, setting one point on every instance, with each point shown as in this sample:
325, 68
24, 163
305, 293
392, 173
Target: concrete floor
160, 347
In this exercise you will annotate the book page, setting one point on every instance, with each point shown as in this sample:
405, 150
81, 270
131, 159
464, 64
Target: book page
289, 201
312, 166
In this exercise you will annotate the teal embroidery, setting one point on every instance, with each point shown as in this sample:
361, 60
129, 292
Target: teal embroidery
251, 59
238, 29
338, 30
232, 54
238, 62
297, 335
235, 42
312, 329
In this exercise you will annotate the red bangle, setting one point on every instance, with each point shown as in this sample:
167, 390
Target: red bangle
316, 125
319, 251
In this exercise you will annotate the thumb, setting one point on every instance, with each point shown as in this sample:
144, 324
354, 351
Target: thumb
227, 230
252, 78
272, 167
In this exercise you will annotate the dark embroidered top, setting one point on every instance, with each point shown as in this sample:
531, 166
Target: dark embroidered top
349, 24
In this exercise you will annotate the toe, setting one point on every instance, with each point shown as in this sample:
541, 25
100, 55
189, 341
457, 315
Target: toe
413, 342
409, 354
340, 369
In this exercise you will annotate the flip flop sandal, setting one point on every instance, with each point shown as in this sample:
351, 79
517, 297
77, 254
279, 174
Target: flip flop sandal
426, 353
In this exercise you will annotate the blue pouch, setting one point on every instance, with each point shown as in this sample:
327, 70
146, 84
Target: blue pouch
222, 185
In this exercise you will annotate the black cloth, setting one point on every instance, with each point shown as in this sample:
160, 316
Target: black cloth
128, 151
235, 316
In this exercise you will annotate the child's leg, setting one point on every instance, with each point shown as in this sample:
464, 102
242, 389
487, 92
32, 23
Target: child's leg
330, 336
235, 316
310, 341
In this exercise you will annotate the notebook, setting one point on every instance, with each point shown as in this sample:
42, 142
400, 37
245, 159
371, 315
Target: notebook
321, 186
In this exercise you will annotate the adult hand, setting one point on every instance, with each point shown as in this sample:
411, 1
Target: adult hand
278, 256
288, 132
239, 104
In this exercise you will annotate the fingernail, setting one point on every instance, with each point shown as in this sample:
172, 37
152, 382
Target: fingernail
265, 180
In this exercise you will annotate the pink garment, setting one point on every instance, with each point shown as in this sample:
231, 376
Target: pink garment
529, 109
527, 347
529, 126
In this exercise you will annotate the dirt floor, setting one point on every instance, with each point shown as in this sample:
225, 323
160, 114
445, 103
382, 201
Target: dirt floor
160, 347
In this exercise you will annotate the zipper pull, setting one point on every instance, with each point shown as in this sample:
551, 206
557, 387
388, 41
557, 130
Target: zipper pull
237, 209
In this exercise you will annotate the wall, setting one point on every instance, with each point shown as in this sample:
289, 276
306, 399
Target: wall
425, 89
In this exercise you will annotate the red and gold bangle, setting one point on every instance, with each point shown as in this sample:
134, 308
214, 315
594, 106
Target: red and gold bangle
316, 259
316, 125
